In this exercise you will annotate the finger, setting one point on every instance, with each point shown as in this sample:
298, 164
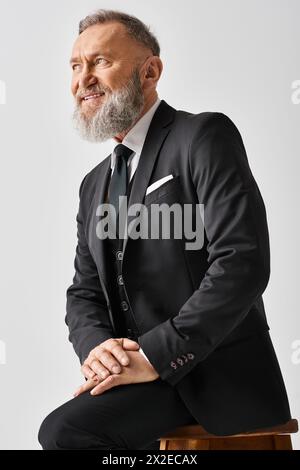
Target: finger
130, 344
88, 385
108, 361
87, 371
110, 382
99, 369
119, 353
90, 358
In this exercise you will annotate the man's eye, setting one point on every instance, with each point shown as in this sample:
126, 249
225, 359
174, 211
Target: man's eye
100, 60
75, 66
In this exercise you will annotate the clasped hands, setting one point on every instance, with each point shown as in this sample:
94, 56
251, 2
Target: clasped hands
116, 361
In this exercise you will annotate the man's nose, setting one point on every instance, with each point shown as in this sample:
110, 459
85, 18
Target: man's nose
87, 79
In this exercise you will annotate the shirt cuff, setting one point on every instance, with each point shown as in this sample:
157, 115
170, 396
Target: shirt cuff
142, 352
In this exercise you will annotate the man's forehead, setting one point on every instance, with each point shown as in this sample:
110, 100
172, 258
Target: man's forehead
108, 37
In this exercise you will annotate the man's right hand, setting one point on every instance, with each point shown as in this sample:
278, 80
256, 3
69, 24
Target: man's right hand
108, 358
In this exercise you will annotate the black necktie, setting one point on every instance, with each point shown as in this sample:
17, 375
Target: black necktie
119, 180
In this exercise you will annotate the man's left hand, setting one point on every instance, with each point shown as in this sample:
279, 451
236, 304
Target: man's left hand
139, 370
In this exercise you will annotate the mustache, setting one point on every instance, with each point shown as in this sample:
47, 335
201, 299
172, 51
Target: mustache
83, 92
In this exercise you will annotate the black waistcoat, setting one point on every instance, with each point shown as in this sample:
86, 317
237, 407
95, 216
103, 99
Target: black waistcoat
122, 312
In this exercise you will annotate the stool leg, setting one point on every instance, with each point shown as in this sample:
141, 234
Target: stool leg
163, 445
282, 442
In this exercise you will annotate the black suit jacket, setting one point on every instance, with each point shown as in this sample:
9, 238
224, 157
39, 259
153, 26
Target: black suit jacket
200, 313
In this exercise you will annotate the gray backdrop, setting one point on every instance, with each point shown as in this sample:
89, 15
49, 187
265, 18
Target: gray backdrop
237, 57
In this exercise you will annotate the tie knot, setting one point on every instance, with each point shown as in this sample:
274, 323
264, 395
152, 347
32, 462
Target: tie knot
122, 151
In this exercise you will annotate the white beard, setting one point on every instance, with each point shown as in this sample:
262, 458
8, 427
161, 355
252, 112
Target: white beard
117, 113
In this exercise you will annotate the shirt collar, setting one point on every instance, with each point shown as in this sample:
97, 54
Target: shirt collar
136, 136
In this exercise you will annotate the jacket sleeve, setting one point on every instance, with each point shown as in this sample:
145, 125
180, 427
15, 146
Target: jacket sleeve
238, 253
87, 312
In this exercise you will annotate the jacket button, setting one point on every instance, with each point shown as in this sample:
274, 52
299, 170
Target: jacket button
120, 280
190, 355
179, 361
173, 364
119, 255
124, 306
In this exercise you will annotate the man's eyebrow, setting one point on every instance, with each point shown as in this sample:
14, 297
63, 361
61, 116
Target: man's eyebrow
74, 59
90, 56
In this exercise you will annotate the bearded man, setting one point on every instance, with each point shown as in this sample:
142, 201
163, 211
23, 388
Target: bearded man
166, 336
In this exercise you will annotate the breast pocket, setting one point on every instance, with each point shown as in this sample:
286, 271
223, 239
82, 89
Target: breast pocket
165, 193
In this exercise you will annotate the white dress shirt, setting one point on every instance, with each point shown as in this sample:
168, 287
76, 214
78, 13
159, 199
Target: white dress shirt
134, 140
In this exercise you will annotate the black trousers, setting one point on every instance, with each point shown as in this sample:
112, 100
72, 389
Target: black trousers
129, 416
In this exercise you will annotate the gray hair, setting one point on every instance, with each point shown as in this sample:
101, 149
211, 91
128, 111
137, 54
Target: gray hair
135, 27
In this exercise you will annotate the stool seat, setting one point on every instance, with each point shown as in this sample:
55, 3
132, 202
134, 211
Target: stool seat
193, 437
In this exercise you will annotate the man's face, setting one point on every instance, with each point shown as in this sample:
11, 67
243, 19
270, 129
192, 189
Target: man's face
105, 82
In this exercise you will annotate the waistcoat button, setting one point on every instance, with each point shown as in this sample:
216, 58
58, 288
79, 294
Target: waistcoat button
124, 306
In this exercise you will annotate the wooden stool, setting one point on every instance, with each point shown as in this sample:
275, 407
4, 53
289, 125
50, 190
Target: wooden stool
194, 437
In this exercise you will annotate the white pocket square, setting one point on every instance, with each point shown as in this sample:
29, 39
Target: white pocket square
158, 183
